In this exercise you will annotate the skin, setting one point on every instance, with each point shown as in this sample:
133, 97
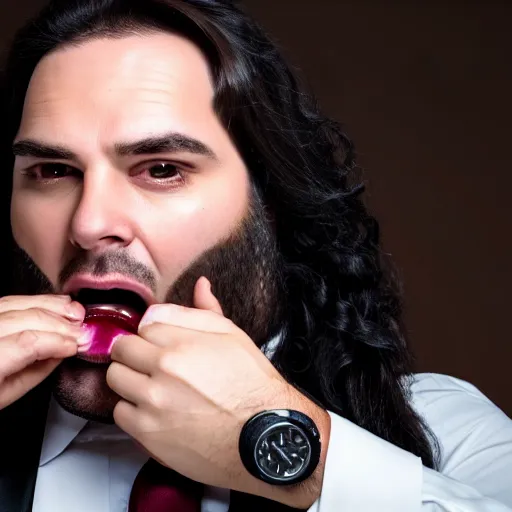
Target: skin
87, 99
115, 93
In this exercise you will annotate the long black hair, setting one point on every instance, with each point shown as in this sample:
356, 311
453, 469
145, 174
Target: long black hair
343, 342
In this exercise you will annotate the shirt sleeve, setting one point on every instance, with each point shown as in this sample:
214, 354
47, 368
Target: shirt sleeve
365, 473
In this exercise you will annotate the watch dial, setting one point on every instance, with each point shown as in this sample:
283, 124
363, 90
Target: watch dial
283, 451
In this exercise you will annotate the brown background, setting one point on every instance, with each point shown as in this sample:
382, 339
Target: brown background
424, 90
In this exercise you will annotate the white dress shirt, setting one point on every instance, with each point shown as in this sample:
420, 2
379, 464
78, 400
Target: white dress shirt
90, 467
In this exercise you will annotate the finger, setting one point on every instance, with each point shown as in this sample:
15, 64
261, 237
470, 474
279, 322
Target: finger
36, 319
204, 297
128, 384
136, 353
167, 336
59, 304
189, 318
125, 415
20, 350
136, 422
17, 385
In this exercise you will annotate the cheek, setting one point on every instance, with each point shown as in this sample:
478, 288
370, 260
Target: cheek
196, 224
40, 229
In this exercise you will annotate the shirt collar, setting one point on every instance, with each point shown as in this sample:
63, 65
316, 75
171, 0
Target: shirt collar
61, 428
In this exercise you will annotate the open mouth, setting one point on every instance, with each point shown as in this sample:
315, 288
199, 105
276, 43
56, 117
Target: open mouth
109, 314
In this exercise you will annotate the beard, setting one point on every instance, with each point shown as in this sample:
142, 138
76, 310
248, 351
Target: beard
246, 277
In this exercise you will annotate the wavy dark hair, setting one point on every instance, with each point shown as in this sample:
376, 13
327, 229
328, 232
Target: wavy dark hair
344, 343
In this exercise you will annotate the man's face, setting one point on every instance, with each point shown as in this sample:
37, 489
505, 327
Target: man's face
128, 171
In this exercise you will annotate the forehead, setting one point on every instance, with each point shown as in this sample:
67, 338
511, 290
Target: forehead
120, 88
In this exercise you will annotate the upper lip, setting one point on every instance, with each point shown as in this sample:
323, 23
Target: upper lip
78, 282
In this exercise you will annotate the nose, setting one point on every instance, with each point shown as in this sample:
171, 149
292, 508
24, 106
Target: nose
102, 217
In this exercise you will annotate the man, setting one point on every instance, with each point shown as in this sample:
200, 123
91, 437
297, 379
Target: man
198, 303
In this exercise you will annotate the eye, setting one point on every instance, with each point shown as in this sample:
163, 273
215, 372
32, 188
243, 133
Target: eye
50, 171
163, 171
163, 175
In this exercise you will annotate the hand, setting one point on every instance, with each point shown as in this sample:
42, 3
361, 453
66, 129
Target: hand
189, 381
36, 334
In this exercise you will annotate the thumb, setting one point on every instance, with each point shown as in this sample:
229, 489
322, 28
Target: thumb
204, 298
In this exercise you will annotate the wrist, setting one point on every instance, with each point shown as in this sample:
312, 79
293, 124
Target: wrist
303, 494
306, 493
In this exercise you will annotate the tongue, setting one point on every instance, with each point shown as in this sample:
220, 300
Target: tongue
103, 324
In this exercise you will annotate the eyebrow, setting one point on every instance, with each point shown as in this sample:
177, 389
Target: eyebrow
168, 143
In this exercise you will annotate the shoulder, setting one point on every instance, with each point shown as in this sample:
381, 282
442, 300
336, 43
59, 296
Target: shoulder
458, 413
435, 395
432, 386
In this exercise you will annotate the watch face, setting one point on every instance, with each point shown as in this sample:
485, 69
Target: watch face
282, 452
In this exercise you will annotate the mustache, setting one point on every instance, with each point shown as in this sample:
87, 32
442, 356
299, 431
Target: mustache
111, 262
246, 270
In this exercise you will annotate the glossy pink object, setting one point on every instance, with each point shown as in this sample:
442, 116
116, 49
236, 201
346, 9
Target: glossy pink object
103, 324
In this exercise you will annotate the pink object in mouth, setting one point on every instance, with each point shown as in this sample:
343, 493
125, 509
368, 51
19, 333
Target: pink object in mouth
103, 324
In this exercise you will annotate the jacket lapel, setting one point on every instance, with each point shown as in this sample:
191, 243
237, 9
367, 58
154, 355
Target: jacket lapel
22, 426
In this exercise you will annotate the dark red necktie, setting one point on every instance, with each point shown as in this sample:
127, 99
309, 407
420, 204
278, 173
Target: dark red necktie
160, 489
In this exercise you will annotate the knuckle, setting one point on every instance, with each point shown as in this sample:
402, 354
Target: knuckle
9, 316
145, 424
156, 330
171, 359
149, 331
179, 347
39, 315
13, 301
155, 396
165, 362
26, 340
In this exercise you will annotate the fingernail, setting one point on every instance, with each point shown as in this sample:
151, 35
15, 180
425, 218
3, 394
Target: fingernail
151, 316
75, 311
84, 338
160, 313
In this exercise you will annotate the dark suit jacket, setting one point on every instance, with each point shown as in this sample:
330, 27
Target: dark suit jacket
21, 437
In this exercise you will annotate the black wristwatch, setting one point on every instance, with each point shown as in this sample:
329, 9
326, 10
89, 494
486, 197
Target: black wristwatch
280, 447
